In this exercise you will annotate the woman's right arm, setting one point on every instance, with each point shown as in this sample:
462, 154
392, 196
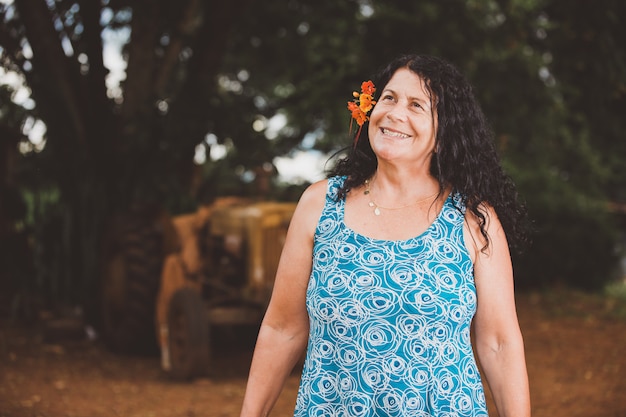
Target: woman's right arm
284, 331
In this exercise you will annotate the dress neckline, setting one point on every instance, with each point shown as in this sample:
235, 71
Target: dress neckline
359, 235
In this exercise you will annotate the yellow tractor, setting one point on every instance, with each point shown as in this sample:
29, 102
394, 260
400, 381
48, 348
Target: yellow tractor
223, 275
215, 266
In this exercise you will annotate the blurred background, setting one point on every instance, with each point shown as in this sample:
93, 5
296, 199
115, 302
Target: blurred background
125, 124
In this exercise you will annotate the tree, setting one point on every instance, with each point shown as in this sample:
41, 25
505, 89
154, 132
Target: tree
103, 153
227, 68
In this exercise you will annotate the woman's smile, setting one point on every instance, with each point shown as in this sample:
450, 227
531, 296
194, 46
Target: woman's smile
394, 133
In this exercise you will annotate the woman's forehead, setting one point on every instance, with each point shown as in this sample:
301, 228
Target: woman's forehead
406, 81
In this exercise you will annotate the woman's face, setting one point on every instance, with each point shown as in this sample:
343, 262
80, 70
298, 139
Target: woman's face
403, 125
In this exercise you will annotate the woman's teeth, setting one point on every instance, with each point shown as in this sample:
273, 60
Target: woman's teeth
394, 134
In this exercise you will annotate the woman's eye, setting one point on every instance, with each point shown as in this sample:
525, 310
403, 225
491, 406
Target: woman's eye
387, 97
417, 105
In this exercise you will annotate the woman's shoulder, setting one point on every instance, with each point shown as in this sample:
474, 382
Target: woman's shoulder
327, 187
311, 203
492, 227
316, 190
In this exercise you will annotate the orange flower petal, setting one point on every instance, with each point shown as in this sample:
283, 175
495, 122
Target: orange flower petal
367, 87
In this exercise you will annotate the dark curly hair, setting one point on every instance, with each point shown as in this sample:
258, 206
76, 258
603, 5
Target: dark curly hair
465, 157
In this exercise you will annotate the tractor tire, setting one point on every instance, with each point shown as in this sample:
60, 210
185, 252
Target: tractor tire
130, 284
188, 335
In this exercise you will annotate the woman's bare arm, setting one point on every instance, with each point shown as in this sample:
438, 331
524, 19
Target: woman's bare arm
499, 343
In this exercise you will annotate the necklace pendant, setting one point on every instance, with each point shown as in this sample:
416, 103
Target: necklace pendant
377, 211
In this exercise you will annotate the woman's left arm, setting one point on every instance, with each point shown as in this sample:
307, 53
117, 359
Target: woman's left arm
498, 339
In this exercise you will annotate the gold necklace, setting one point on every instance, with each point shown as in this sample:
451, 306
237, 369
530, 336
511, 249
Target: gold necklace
377, 207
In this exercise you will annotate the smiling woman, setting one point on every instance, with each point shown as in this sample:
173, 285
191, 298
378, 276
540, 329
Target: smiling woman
407, 215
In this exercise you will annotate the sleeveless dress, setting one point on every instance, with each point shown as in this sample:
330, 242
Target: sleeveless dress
390, 321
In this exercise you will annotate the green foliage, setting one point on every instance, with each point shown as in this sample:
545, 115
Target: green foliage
590, 65
303, 61
549, 73
570, 247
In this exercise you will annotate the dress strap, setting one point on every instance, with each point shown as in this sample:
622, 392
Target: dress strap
334, 184
332, 213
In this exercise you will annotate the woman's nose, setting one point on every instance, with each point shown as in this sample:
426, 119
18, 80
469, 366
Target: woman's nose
397, 113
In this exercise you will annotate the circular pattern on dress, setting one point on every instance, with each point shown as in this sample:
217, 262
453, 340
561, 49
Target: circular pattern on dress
390, 322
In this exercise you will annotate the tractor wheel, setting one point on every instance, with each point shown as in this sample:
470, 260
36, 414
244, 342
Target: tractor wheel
130, 284
188, 335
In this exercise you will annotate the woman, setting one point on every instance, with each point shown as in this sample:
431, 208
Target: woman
390, 260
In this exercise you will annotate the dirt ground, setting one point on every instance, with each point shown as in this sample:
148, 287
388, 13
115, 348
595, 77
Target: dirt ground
575, 343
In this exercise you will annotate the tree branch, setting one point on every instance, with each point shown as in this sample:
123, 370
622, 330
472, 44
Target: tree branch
59, 79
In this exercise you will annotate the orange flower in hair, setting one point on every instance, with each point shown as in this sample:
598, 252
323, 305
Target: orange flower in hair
361, 105
357, 114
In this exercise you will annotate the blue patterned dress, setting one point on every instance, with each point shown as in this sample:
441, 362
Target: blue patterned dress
390, 322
